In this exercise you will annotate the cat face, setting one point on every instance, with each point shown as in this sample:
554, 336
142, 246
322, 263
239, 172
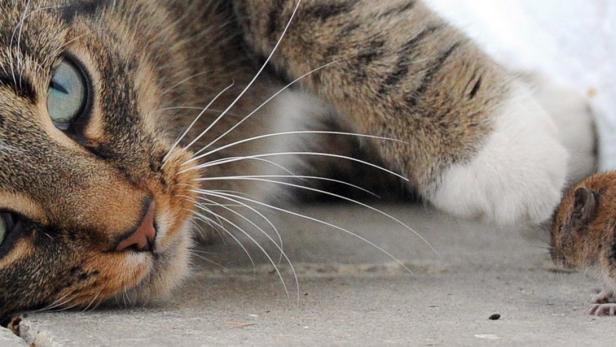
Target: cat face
83, 159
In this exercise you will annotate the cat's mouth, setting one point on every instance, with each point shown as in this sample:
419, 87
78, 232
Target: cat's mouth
166, 264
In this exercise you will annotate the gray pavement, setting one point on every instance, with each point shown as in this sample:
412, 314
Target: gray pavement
352, 294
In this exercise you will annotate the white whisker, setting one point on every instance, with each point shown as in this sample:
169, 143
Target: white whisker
258, 74
270, 162
267, 220
255, 242
316, 178
164, 92
177, 142
316, 220
200, 108
207, 260
19, 27
230, 234
265, 155
54, 303
86, 308
278, 246
263, 104
301, 132
342, 197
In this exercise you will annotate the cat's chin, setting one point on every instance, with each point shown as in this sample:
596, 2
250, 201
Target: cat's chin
167, 271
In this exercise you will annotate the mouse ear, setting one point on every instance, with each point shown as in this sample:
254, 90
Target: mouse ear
584, 207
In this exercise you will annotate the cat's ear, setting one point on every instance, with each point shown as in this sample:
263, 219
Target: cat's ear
584, 207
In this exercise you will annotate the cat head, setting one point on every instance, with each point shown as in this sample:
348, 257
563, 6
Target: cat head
94, 201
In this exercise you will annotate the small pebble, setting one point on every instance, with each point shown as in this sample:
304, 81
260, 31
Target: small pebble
495, 316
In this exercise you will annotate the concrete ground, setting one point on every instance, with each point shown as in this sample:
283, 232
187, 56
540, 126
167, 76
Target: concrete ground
352, 294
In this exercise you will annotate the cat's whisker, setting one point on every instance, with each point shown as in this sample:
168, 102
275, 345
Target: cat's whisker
216, 204
219, 225
246, 195
274, 164
199, 228
202, 231
342, 197
316, 220
258, 74
317, 154
263, 177
125, 297
205, 259
230, 234
98, 303
263, 104
170, 89
74, 305
177, 142
270, 162
256, 243
94, 299
239, 204
18, 31
54, 303
19, 28
47, 235
258, 213
62, 306
299, 132
280, 244
200, 108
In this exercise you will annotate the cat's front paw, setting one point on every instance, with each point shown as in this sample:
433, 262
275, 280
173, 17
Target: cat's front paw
516, 176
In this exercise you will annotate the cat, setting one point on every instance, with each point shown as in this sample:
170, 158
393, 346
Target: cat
123, 121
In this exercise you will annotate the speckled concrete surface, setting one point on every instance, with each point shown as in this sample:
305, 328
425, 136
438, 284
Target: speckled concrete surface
8, 339
351, 294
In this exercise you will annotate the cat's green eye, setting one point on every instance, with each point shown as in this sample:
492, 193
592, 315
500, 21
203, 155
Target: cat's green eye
67, 94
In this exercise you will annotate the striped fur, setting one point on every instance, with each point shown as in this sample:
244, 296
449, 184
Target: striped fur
391, 69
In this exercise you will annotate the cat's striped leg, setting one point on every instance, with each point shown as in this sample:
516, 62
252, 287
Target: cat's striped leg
476, 142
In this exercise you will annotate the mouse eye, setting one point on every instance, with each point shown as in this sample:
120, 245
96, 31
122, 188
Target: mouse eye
67, 94
7, 223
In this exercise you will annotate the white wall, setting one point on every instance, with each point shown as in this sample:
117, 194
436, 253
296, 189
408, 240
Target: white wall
572, 41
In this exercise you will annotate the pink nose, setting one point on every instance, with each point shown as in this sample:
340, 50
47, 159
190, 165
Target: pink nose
142, 240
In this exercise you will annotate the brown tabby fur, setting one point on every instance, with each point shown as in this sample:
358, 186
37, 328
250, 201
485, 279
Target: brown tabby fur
584, 236
398, 71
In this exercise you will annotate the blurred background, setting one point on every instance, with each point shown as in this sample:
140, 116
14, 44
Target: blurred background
572, 42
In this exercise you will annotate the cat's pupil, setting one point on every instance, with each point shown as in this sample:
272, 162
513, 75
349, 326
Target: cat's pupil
66, 96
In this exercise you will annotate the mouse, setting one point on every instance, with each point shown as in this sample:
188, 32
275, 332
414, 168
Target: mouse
583, 235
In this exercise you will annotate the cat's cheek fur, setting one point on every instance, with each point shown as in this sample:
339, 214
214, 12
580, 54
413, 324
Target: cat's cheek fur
518, 173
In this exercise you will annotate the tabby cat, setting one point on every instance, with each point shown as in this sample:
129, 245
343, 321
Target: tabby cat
122, 121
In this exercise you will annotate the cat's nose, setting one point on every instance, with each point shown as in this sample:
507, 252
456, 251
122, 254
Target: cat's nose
143, 238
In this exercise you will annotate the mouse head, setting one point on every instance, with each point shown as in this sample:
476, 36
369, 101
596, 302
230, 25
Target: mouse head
582, 232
